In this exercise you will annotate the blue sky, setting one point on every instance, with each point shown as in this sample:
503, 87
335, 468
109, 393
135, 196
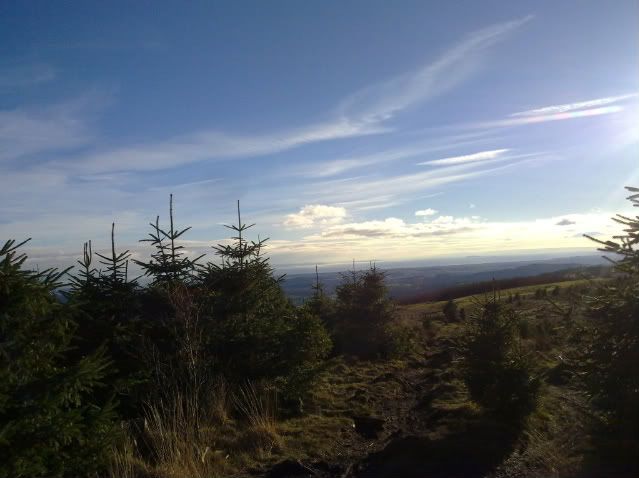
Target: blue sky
364, 129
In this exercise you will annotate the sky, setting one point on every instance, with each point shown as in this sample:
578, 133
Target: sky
360, 130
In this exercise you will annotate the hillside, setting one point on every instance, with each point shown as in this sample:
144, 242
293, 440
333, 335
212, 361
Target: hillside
420, 283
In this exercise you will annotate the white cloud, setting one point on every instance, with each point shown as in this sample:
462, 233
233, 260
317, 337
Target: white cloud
337, 166
24, 133
357, 188
426, 212
382, 101
363, 113
394, 228
394, 239
567, 115
581, 105
467, 158
314, 215
216, 145
20, 76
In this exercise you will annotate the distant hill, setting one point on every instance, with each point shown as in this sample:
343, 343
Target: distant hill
407, 283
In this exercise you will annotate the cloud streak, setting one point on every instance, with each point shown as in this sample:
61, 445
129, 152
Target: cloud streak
363, 113
581, 105
382, 101
568, 115
467, 158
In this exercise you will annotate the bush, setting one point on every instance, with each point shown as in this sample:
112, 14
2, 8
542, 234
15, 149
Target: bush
450, 311
613, 351
52, 424
252, 330
498, 375
363, 312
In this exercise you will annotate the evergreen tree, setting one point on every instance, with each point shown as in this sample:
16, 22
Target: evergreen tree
320, 304
110, 311
52, 425
498, 375
168, 263
450, 311
363, 313
613, 351
253, 329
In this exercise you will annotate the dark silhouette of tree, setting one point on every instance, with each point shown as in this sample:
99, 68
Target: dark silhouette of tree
613, 352
254, 331
363, 313
168, 263
450, 311
497, 373
52, 425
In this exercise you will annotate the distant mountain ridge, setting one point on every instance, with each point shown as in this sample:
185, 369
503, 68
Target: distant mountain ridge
408, 282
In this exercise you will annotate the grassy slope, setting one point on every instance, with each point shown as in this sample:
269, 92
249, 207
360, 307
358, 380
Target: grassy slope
422, 395
426, 420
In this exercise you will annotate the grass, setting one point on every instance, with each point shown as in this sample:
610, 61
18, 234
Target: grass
421, 393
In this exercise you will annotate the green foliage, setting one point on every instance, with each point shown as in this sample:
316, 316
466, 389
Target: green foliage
613, 351
321, 305
52, 425
109, 311
450, 311
363, 313
253, 331
168, 263
498, 375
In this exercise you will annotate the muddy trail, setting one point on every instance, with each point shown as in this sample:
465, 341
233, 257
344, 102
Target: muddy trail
429, 430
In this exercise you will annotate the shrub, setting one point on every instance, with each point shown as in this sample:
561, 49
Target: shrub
253, 331
498, 375
450, 311
52, 424
613, 351
109, 314
363, 312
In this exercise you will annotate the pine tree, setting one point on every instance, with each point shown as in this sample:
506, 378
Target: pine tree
253, 329
168, 263
497, 373
363, 313
450, 311
320, 304
111, 309
52, 425
613, 351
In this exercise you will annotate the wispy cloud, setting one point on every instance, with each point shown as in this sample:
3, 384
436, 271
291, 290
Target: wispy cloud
382, 101
24, 133
568, 115
426, 212
56, 128
363, 113
357, 188
467, 158
580, 105
334, 167
16, 77
216, 145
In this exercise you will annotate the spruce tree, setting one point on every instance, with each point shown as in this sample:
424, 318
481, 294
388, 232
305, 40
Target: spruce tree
363, 313
254, 330
110, 306
52, 423
168, 263
450, 311
499, 376
320, 304
613, 351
